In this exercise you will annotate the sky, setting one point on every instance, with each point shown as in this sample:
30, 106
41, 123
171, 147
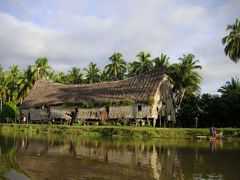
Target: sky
76, 32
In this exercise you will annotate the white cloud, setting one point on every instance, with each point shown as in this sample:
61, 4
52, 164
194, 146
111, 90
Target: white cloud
76, 33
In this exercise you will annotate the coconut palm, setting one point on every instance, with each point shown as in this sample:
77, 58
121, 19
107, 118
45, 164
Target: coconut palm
42, 68
4, 88
92, 73
232, 41
27, 81
60, 77
143, 65
185, 77
117, 68
104, 75
74, 76
162, 61
13, 75
231, 88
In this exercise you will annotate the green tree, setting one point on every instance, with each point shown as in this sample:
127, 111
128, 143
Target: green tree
232, 41
13, 77
231, 88
60, 77
42, 68
104, 76
10, 112
93, 74
162, 61
27, 81
188, 114
74, 76
185, 77
143, 65
117, 68
4, 88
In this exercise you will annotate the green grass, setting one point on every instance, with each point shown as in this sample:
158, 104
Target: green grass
100, 131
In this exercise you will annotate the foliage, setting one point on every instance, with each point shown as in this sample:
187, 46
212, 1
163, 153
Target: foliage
93, 73
212, 110
74, 76
43, 70
142, 65
231, 88
10, 112
185, 77
117, 68
232, 41
162, 61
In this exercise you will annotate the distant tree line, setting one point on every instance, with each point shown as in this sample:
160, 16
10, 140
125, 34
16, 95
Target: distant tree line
208, 110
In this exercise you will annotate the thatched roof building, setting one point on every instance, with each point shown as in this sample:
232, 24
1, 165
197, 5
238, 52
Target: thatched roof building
139, 88
152, 89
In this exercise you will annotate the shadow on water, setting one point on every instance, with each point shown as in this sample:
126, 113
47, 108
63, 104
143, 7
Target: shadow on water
51, 157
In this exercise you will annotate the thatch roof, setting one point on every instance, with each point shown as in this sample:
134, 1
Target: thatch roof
138, 88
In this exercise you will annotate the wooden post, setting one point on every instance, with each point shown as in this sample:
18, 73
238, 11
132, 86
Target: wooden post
154, 122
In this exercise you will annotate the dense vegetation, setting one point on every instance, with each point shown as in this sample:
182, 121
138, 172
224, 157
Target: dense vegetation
192, 108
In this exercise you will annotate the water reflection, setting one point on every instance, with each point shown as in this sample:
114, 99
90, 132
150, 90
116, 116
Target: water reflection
40, 157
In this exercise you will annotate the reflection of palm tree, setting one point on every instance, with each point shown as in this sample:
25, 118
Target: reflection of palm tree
72, 148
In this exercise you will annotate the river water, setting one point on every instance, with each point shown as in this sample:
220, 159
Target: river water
60, 157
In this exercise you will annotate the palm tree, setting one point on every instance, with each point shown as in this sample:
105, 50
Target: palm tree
27, 82
231, 88
185, 77
143, 65
162, 61
93, 73
232, 41
14, 75
4, 88
104, 75
74, 76
42, 68
117, 68
60, 77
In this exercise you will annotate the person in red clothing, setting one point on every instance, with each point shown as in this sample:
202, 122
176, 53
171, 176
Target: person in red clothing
216, 134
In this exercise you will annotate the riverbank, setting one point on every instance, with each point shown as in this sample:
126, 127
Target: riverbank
130, 131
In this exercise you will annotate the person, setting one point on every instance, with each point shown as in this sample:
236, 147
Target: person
212, 131
221, 134
196, 122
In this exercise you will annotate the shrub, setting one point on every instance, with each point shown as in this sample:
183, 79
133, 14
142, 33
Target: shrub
10, 112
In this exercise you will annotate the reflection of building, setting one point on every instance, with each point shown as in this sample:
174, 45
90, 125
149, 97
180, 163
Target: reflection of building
145, 98
114, 159
119, 159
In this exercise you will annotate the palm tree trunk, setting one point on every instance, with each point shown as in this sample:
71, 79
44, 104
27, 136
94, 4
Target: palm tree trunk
181, 98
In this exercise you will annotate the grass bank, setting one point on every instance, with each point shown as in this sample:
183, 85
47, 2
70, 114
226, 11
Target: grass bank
114, 131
